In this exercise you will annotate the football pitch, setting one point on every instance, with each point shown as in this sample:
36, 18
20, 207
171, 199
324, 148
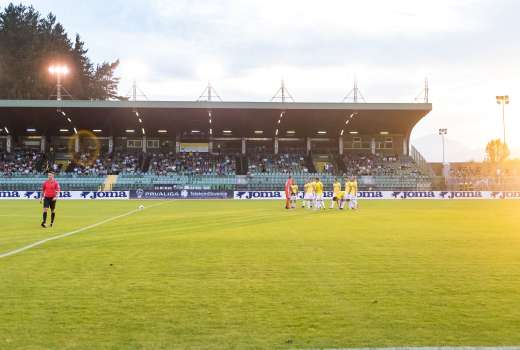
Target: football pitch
251, 275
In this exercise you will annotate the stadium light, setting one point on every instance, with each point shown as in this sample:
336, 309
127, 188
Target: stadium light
259, 132
443, 133
226, 131
195, 131
322, 132
64, 130
140, 120
58, 71
384, 133
341, 133
503, 100
292, 132
162, 131
353, 132
6, 130
75, 130
130, 131
142, 130
31, 130
69, 120
96, 130
276, 132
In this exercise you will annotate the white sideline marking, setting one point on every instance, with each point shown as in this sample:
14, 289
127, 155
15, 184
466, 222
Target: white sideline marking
430, 348
67, 234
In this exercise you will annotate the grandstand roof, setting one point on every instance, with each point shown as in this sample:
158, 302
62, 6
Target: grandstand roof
242, 118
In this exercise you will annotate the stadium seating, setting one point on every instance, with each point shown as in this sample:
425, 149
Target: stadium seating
24, 170
294, 163
192, 164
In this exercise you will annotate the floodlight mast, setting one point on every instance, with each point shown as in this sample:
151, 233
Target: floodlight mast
135, 92
424, 94
443, 133
354, 95
503, 100
208, 94
282, 94
59, 71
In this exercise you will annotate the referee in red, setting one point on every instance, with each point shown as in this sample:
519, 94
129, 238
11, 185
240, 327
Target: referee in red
50, 192
287, 188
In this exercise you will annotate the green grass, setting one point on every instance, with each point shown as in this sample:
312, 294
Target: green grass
250, 275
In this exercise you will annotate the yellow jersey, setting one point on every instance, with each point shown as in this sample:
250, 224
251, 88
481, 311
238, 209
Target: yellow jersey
319, 187
294, 189
352, 187
336, 187
340, 195
313, 186
307, 188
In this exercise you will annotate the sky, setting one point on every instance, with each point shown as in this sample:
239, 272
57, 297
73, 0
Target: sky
468, 49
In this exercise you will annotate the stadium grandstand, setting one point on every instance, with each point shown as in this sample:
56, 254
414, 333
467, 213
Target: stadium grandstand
110, 145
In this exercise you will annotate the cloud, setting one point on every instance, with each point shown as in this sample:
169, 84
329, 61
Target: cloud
467, 48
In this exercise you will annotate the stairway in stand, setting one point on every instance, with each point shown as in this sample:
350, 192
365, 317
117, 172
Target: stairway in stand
109, 182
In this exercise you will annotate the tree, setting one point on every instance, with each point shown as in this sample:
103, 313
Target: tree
30, 43
496, 151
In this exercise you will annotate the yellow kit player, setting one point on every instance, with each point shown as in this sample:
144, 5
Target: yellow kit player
294, 195
336, 188
313, 189
318, 189
341, 198
352, 193
308, 194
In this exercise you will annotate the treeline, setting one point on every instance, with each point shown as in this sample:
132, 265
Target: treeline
30, 43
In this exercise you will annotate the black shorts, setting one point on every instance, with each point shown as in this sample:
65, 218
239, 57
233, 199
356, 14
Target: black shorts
49, 203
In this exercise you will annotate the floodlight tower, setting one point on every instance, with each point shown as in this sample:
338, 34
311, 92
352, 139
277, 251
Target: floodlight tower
282, 94
424, 95
443, 133
136, 92
208, 94
354, 95
503, 100
59, 71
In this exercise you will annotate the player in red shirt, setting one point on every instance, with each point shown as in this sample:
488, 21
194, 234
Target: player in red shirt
288, 185
50, 192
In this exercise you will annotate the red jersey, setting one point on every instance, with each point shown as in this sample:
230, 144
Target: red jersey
50, 188
288, 185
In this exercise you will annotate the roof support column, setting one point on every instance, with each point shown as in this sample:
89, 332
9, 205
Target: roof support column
111, 144
340, 145
210, 144
373, 145
43, 144
9, 143
76, 143
144, 144
276, 145
405, 146
243, 145
308, 145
